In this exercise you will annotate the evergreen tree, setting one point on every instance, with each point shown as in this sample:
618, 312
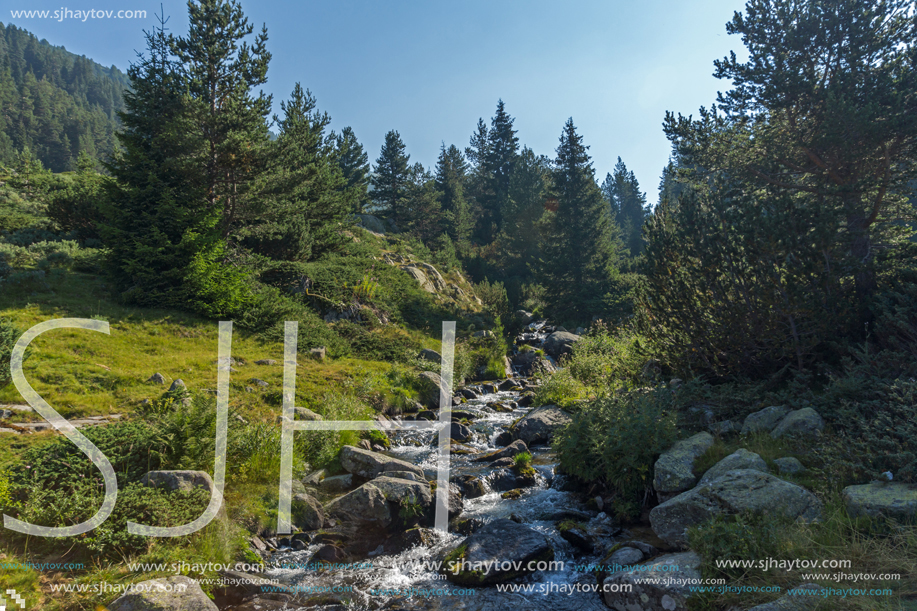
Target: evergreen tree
221, 70
451, 170
157, 220
421, 214
579, 245
628, 206
305, 203
524, 207
477, 183
499, 159
76, 207
391, 178
354, 164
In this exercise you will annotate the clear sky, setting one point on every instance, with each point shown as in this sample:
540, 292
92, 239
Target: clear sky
430, 69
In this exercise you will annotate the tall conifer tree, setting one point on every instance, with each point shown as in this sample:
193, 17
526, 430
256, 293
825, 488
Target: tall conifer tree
391, 177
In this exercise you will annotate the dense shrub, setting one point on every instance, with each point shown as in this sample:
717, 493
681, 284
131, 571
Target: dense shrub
616, 440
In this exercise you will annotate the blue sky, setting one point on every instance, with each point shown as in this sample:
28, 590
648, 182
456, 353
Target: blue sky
430, 69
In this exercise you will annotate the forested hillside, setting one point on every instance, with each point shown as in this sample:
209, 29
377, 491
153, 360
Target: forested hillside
55, 103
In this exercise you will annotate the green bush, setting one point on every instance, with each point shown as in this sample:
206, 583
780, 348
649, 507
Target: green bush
616, 440
9, 335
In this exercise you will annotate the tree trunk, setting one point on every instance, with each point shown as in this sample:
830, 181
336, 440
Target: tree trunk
861, 252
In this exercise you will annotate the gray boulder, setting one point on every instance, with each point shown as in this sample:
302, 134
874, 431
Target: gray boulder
530, 363
178, 480
624, 557
307, 513
337, 483
560, 343
732, 493
395, 490
740, 459
431, 355
459, 432
796, 602
805, 422
369, 465
668, 592
673, 472
788, 465
499, 551
765, 420
538, 426
165, 594
157, 378
177, 386
371, 223
887, 499
433, 385
366, 506
266, 362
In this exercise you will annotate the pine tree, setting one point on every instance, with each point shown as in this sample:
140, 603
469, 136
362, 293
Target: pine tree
476, 191
157, 219
305, 203
628, 206
354, 164
221, 70
391, 178
499, 159
451, 169
579, 246
421, 214
522, 211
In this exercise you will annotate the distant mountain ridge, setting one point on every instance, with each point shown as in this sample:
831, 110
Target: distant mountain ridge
56, 103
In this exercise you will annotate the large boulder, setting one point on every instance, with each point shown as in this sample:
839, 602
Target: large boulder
887, 499
805, 422
430, 355
765, 420
183, 481
371, 223
529, 363
656, 586
538, 426
433, 385
740, 459
395, 490
560, 343
674, 471
499, 551
307, 513
365, 506
368, 464
165, 594
732, 493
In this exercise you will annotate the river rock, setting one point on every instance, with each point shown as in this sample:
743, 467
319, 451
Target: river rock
765, 420
368, 464
524, 317
624, 557
337, 483
178, 480
560, 343
796, 602
788, 465
503, 480
165, 594
395, 490
468, 393
499, 551
673, 472
538, 426
306, 512
805, 422
740, 459
891, 500
472, 487
669, 591
364, 506
413, 537
433, 385
510, 451
530, 363
459, 432
732, 493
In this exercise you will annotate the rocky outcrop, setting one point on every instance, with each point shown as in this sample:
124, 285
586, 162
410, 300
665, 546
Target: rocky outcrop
499, 551
765, 420
368, 464
732, 493
365, 506
538, 426
887, 499
668, 593
674, 471
740, 459
560, 343
306, 512
805, 422
166, 594
395, 490
178, 480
